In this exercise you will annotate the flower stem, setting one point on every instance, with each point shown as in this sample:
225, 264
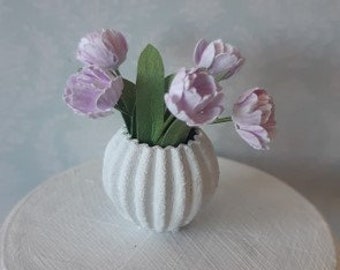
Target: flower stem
222, 120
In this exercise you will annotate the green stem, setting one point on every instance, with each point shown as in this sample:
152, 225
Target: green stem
222, 120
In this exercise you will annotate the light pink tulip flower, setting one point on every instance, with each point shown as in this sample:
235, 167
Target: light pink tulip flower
105, 48
254, 118
93, 92
221, 59
195, 97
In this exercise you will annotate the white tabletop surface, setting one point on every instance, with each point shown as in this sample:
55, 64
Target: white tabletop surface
253, 222
292, 48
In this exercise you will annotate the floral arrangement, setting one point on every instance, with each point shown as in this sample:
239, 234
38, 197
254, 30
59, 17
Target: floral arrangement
166, 110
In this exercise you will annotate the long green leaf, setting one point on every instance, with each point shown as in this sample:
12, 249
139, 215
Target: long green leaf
126, 104
176, 134
149, 96
129, 96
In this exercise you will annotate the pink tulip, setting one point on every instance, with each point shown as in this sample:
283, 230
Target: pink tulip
221, 59
93, 92
195, 97
254, 119
105, 49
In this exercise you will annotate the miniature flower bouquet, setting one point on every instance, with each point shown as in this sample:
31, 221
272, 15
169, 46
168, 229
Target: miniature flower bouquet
160, 167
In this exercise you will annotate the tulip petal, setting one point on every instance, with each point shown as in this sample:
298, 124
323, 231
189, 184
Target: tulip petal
198, 51
219, 46
205, 84
207, 57
223, 64
177, 84
250, 138
116, 43
111, 95
211, 111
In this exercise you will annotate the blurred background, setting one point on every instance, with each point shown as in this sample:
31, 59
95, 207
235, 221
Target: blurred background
292, 49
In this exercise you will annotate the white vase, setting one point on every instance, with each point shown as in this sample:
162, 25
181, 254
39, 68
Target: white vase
159, 188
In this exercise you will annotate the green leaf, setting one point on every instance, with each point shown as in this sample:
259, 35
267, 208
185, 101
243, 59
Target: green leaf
128, 97
128, 121
149, 96
177, 133
126, 104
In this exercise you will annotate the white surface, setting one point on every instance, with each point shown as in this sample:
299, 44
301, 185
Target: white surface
253, 222
159, 188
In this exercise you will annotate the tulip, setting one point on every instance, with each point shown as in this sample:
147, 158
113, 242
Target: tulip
93, 91
105, 49
221, 59
195, 97
254, 119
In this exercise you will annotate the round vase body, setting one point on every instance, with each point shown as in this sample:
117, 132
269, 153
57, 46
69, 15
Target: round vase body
159, 188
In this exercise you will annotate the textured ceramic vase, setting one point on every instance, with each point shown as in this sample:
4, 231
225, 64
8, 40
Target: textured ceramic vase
159, 188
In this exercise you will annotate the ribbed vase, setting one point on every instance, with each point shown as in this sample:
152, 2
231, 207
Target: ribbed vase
159, 188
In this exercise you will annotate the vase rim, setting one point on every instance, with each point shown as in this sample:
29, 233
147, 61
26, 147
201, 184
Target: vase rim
196, 140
